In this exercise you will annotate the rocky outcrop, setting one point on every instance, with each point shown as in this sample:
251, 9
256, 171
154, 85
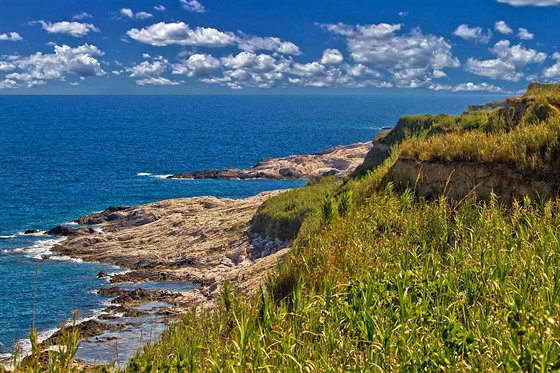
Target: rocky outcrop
457, 179
204, 240
63, 230
340, 161
109, 214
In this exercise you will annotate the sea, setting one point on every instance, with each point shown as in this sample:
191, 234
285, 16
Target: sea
65, 156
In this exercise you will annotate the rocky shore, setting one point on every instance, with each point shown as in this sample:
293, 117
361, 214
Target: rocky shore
201, 241
340, 161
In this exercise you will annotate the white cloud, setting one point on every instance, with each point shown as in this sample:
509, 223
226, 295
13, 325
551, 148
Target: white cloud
255, 43
37, 68
403, 14
531, 2
331, 57
524, 34
406, 58
82, 15
161, 34
12, 36
6, 66
158, 81
554, 70
438, 74
503, 28
127, 12
360, 71
193, 6
495, 69
75, 29
470, 86
197, 65
159, 8
148, 69
8, 83
516, 54
510, 58
474, 33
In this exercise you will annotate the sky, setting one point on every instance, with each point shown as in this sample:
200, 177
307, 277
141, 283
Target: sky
277, 46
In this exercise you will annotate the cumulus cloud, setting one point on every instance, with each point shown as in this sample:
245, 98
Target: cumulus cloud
554, 70
541, 3
75, 29
331, 57
473, 33
197, 65
38, 68
193, 6
159, 8
503, 28
516, 54
158, 81
255, 43
438, 74
406, 59
11, 36
494, 68
82, 15
161, 34
524, 34
148, 68
127, 12
403, 14
505, 67
6, 66
8, 83
470, 87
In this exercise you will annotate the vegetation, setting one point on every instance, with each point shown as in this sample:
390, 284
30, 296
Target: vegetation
398, 284
282, 217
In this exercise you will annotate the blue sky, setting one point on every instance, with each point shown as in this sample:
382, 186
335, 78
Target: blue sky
276, 46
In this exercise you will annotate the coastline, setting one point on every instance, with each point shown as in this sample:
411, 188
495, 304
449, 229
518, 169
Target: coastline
198, 242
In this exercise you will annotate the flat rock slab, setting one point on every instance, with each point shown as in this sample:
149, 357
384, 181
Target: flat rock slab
204, 240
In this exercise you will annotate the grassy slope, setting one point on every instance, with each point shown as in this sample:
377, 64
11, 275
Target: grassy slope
396, 283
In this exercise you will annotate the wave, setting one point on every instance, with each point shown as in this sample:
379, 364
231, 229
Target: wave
8, 237
162, 176
147, 174
39, 250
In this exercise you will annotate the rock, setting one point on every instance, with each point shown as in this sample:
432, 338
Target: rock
31, 231
100, 217
102, 275
340, 161
62, 230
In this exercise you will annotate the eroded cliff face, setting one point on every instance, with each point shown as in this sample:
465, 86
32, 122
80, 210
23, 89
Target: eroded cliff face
456, 180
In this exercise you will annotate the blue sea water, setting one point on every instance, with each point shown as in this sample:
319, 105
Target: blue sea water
65, 156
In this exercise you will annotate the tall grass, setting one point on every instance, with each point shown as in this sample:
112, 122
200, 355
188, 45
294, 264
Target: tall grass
533, 149
396, 285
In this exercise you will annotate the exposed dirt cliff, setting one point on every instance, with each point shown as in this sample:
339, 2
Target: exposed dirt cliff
456, 180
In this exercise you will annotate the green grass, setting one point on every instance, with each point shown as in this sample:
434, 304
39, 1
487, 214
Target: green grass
398, 284
532, 149
283, 216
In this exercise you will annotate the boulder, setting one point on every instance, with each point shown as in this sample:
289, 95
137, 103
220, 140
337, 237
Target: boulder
62, 230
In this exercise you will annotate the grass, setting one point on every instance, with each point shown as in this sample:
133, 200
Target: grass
397, 285
283, 216
531, 149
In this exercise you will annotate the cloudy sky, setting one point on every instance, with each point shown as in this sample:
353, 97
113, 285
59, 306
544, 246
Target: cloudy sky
276, 46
